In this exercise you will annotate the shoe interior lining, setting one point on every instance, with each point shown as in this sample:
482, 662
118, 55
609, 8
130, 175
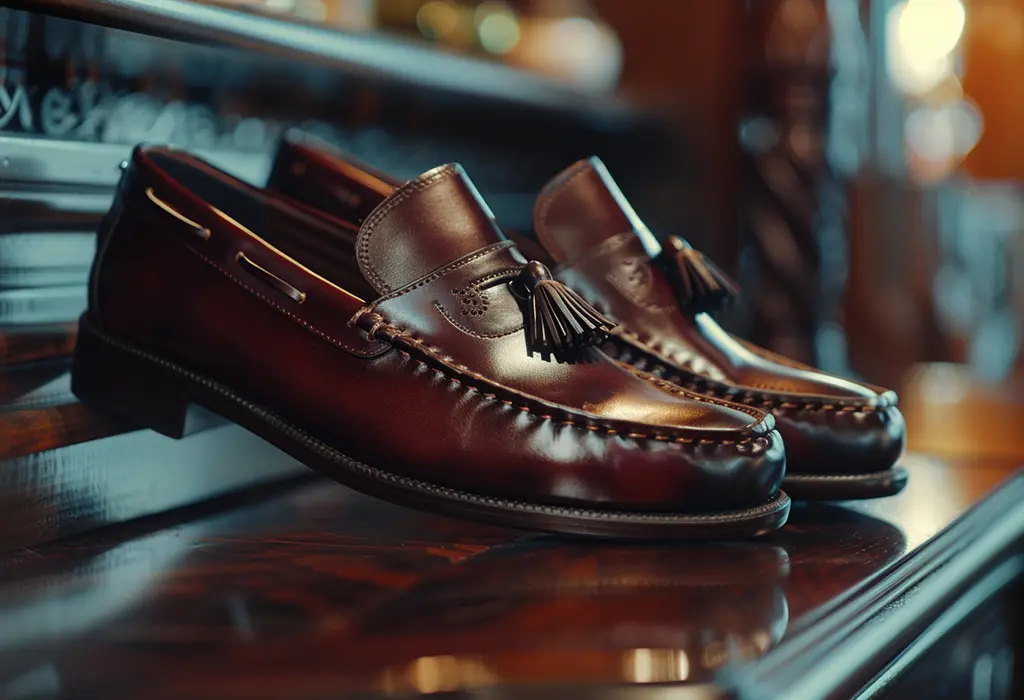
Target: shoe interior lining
328, 249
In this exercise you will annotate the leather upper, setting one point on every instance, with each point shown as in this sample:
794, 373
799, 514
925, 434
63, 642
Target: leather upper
400, 344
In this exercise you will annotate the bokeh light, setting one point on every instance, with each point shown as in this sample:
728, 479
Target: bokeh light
922, 35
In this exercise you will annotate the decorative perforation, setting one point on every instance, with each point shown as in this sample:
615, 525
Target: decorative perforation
472, 300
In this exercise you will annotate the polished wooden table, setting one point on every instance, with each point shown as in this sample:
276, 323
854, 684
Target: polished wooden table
314, 591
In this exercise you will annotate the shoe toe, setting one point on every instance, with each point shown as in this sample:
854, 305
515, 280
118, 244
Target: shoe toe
830, 440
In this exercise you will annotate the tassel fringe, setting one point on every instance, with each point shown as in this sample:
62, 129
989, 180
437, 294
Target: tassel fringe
560, 324
700, 286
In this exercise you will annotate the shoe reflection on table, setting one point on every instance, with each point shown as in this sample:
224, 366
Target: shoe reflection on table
831, 549
538, 612
553, 611
546, 610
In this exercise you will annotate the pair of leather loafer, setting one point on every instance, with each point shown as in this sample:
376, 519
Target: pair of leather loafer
843, 438
390, 336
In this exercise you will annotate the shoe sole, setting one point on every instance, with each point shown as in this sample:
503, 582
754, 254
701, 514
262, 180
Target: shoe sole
846, 487
154, 393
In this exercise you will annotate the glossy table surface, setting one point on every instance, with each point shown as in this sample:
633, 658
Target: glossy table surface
318, 591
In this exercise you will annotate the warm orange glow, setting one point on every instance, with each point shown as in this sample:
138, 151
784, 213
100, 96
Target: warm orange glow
993, 53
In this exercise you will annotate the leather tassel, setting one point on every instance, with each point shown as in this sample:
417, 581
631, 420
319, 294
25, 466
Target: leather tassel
559, 323
700, 286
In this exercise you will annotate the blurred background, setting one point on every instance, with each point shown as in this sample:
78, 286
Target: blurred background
857, 164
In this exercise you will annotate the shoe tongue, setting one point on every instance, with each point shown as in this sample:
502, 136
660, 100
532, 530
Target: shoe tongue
423, 225
581, 208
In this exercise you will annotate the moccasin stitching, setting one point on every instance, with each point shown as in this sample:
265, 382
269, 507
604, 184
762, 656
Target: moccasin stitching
701, 384
400, 335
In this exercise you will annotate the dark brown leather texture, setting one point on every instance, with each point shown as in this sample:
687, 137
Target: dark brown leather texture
596, 243
392, 345
832, 426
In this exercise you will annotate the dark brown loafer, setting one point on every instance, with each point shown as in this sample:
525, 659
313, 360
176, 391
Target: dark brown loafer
842, 437
417, 359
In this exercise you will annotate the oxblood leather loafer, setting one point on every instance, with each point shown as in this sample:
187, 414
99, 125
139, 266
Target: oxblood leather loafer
842, 437
417, 359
